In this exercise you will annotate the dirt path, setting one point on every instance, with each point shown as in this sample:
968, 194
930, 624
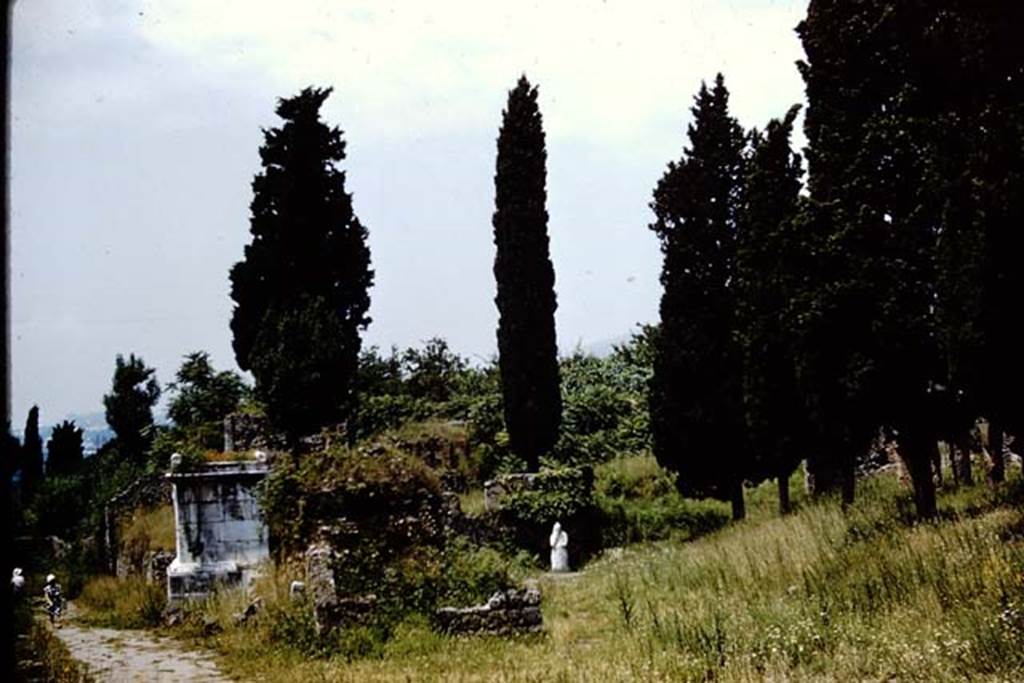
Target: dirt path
122, 656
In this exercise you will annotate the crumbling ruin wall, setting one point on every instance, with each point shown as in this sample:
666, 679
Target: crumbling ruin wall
506, 613
145, 492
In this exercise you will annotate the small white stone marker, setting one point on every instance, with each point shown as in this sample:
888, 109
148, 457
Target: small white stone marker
559, 549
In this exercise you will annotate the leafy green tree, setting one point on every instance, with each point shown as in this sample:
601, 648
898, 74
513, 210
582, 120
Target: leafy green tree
605, 407
308, 257
528, 354
696, 392
31, 455
379, 374
769, 260
64, 450
62, 504
432, 372
203, 397
129, 406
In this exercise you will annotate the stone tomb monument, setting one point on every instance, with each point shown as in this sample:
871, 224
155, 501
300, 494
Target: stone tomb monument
220, 534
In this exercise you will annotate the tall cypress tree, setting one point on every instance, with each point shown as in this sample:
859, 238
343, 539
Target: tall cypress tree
770, 259
31, 455
302, 291
695, 395
525, 277
988, 66
870, 144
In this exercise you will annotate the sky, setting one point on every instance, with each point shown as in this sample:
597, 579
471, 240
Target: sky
135, 129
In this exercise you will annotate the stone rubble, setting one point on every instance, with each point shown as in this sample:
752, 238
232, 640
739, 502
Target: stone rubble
506, 613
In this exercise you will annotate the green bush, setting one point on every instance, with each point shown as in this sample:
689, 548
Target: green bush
556, 495
639, 502
634, 477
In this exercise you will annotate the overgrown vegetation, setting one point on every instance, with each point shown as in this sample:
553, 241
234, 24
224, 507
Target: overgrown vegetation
639, 501
866, 593
122, 603
40, 655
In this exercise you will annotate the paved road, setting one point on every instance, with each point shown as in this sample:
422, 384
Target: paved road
122, 656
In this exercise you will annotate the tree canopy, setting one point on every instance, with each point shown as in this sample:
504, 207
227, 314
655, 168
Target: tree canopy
129, 405
306, 271
64, 450
202, 397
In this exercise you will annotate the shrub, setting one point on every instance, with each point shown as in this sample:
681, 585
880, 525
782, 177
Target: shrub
639, 502
556, 495
562, 495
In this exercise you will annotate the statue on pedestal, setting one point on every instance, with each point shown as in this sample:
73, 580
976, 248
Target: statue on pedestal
559, 549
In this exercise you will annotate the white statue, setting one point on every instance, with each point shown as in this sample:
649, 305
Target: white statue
559, 549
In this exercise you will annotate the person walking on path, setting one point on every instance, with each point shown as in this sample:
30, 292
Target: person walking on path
54, 600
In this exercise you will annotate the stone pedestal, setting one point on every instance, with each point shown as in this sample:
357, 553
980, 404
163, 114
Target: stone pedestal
220, 534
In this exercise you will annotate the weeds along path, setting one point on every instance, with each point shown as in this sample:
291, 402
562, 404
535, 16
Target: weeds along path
117, 656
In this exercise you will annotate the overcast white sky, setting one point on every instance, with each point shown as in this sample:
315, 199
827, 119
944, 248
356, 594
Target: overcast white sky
136, 125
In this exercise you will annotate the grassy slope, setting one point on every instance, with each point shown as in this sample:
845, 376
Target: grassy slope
818, 595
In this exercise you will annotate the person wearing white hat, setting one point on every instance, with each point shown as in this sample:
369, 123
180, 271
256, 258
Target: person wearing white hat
17, 581
54, 601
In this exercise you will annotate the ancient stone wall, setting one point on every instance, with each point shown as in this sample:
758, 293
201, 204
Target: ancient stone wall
505, 613
495, 490
145, 492
243, 432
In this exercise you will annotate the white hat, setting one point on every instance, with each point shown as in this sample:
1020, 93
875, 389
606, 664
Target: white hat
50, 577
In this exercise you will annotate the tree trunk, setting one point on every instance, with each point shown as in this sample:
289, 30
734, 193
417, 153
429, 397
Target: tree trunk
849, 480
937, 465
954, 463
739, 507
995, 451
823, 475
918, 453
784, 505
963, 448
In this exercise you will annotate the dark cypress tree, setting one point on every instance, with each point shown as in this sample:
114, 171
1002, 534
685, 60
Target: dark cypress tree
528, 355
769, 261
868, 126
308, 257
129, 406
989, 68
31, 455
64, 450
695, 398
